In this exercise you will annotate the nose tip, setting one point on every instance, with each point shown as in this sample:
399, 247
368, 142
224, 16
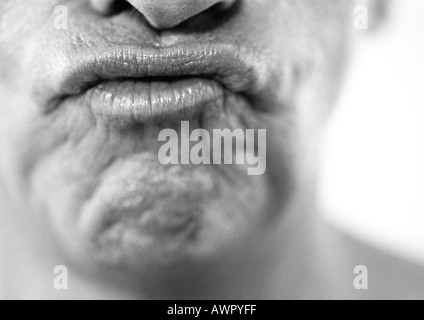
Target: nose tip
165, 14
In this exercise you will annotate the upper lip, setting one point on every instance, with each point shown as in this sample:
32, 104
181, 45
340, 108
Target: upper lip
78, 73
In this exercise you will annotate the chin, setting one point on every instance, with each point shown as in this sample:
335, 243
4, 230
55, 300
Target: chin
143, 216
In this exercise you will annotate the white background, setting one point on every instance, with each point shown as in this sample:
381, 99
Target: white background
373, 166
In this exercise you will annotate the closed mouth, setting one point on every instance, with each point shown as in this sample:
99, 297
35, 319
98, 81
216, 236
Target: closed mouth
151, 84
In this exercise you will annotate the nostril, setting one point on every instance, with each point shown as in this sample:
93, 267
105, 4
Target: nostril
212, 17
216, 9
166, 14
108, 7
220, 7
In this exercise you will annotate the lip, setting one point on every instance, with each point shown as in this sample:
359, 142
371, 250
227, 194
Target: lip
127, 102
150, 83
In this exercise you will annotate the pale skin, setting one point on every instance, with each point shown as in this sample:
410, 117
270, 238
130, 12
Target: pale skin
256, 237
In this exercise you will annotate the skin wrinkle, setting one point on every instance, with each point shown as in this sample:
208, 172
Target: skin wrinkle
90, 175
116, 224
78, 143
45, 137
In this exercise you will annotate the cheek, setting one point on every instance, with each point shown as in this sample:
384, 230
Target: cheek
21, 24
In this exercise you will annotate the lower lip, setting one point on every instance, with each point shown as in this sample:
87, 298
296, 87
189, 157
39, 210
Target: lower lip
134, 102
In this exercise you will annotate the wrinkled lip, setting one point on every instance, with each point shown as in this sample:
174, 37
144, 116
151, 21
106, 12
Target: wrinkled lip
150, 83
123, 103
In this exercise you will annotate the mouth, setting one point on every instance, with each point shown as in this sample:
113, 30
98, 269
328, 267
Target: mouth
150, 84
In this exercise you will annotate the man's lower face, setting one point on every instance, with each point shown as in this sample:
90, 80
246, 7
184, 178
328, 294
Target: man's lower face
84, 106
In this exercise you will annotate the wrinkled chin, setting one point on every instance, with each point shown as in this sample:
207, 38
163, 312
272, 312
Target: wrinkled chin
145, 215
